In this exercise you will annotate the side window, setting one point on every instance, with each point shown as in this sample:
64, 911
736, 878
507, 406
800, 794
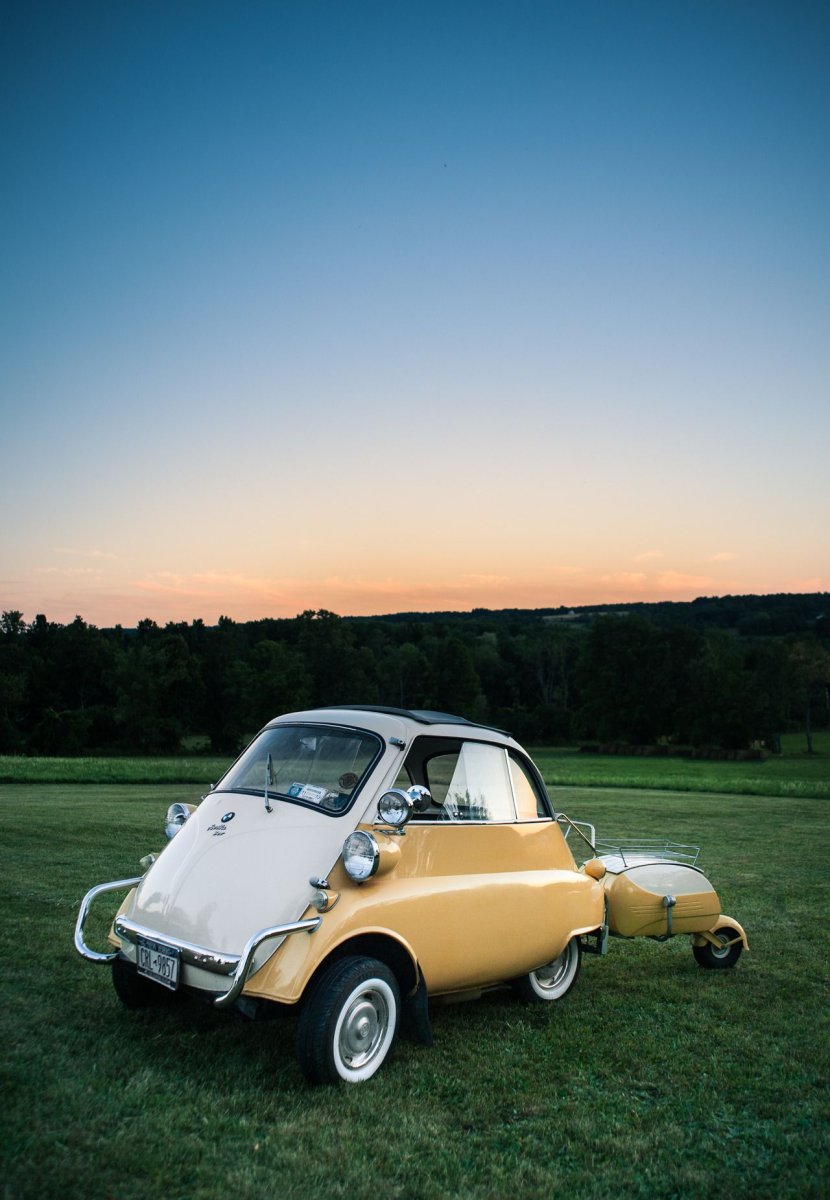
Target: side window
439, 771
471, 783
529, 803
403, 779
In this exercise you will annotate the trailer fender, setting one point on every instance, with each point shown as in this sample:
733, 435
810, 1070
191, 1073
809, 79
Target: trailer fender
708, 935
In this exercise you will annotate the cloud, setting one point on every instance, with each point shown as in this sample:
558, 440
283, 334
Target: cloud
215, 585
676, 581
75, 553
248, 597
184, 596
723, 556
208, 585
67, 572
663, 581
385, 587
632, 579
647, 554
816, 583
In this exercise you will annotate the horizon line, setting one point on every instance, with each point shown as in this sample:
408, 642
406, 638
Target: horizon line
440, 612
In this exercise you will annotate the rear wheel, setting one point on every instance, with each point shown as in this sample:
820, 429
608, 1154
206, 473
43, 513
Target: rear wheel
554, 980
723, 956
349, 1022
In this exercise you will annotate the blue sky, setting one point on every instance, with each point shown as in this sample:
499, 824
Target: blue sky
387, 306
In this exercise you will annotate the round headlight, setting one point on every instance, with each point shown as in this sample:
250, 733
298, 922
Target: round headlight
177, 814
361, 855
395, 807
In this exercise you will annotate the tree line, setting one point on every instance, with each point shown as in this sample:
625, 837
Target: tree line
637, 675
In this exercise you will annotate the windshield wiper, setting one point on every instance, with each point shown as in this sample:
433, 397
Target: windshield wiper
268, 779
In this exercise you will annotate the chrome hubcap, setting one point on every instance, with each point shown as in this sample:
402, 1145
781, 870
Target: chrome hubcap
363, 1029
553, 979
553, 974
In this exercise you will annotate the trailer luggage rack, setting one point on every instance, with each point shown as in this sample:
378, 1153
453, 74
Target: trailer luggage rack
638, 850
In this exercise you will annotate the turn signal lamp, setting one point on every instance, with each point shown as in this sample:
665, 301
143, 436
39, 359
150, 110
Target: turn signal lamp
594, 867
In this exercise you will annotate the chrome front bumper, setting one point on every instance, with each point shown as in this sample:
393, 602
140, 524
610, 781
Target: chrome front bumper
235, 966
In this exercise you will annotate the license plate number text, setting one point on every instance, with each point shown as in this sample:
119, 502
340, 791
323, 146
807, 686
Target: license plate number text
159, 962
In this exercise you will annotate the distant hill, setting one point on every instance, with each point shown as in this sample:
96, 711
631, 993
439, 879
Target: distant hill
772, 615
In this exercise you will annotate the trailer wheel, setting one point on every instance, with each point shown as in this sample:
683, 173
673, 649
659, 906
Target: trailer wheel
349, 1021
552, 981
719, 958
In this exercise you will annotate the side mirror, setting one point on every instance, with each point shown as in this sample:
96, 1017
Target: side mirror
421, 798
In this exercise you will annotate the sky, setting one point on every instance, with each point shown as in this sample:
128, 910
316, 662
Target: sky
381, 307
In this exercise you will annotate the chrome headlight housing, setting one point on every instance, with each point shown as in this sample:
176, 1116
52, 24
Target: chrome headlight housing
177, 814
395, 807
361, 855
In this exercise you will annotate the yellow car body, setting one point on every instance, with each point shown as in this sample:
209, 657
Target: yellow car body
472, 907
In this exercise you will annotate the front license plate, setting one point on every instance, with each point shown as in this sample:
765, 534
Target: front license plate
159, 962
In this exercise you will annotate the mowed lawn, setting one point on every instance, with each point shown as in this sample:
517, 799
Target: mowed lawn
793, 773
652, 1079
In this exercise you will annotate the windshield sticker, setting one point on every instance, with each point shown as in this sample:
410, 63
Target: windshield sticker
307, 791
347, 781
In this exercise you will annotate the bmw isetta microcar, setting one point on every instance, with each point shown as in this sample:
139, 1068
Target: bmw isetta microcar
356, 861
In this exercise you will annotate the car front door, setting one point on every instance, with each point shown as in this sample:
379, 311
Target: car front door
486, 888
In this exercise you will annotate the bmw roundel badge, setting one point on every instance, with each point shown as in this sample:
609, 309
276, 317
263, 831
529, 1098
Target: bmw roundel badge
228, 817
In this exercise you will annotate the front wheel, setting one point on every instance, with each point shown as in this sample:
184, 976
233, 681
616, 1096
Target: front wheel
554, 980
719, 958
349, 1021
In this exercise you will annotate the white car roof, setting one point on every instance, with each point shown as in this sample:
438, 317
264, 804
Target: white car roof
403, 723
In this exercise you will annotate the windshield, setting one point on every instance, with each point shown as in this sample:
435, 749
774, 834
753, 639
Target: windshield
321, 766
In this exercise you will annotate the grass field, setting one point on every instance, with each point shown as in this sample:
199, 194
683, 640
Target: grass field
793, 773
652, 1079
788, 774
196, 770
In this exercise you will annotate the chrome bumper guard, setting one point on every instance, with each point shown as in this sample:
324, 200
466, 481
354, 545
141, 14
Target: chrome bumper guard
235, 965
119, 885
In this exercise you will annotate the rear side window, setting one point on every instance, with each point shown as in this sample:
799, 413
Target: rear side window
471, 783
529, 804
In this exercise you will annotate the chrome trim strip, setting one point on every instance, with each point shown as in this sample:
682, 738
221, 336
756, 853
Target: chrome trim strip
193, 955
236, 965
86, 904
